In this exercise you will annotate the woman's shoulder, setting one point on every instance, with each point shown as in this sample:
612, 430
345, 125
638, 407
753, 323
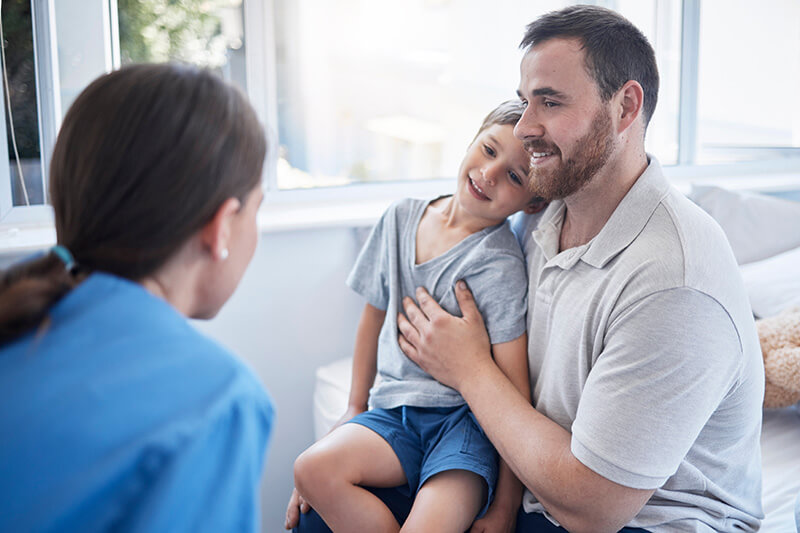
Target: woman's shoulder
112, 336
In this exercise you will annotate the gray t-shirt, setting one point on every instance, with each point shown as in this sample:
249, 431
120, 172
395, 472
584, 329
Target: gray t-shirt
491, 263
642, 345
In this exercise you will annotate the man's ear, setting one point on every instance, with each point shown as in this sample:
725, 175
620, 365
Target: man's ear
630, 104
535, 205
216, 234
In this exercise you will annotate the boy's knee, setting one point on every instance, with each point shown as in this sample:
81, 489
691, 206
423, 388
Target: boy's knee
312, 471
303, 469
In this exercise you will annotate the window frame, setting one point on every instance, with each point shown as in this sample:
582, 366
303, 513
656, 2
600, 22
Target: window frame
49, 111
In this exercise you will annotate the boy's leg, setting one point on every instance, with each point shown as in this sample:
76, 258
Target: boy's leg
329, 475
395, 498
458, 472
448, 501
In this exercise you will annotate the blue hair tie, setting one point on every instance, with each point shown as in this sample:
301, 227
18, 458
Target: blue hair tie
62, 253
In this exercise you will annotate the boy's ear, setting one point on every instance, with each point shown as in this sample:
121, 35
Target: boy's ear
535, 205
216, 234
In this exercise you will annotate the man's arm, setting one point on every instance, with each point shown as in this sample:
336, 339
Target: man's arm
512, 358
456, 351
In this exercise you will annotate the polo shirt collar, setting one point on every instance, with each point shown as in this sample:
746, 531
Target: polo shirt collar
625, 223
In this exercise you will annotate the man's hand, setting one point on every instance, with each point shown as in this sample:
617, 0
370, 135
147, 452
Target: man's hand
449, 348
498, 519
296, 506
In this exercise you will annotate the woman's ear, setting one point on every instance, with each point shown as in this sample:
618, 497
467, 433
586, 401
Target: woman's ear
535, 205
216, 234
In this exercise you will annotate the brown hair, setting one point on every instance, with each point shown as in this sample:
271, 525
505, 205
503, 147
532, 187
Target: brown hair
145, 157
506, 114
616, 51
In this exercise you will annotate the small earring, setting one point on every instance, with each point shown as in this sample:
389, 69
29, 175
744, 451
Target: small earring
223, 254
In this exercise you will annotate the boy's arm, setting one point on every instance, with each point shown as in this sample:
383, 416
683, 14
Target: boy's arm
365, 361
512, 358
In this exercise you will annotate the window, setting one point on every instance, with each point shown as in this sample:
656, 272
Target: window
748, 81
20, 108
207, 33
379, 91
93, 38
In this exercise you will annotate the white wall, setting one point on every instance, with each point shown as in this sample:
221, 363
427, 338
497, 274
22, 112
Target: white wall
291, 313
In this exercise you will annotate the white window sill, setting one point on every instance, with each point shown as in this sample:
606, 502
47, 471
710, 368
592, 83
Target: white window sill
356, 207
25, 239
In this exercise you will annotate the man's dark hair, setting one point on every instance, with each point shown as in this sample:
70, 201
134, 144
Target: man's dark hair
616, 51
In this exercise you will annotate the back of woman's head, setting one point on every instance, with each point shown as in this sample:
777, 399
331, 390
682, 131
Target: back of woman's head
145, 157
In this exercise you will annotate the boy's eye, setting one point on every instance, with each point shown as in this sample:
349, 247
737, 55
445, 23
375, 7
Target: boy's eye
514, 177
489, 150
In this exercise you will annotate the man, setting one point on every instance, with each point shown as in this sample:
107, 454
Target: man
645, 366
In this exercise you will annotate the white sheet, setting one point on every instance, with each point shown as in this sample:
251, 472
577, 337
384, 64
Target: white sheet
780, 444
780, 463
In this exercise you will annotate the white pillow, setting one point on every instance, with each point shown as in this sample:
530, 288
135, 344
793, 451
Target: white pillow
773, 284
757, 226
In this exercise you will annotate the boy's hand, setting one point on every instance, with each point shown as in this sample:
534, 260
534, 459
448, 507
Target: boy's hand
349, 414
498, 519
296, 506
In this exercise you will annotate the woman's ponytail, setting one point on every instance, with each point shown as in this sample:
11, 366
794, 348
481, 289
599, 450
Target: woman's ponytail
28, 290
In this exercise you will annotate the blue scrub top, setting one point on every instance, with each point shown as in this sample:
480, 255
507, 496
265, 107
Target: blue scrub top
120, 415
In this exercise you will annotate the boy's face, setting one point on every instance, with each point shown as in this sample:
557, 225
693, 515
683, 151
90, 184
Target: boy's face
493, 178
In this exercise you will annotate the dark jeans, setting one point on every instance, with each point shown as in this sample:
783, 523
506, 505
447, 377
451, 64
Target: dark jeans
401, 505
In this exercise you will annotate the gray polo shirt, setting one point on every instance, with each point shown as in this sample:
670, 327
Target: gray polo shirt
491, 263
642, 345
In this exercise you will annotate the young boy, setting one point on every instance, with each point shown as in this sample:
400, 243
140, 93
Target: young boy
420, 433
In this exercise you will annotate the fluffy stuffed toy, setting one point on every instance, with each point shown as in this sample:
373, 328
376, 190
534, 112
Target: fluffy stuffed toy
780, 345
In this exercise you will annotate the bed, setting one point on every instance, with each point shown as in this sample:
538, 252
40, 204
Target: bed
764, 233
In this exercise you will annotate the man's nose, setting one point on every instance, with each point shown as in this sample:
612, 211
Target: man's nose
528, 126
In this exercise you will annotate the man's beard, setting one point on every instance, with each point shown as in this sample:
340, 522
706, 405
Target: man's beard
574, 173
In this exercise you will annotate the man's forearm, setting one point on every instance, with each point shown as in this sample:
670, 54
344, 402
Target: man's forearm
538, 451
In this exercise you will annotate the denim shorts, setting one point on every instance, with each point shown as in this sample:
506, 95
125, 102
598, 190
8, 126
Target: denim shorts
430, 440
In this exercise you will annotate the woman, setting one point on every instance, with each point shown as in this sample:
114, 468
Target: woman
116, 413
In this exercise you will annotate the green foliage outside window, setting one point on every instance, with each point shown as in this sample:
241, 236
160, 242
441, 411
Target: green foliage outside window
179, 30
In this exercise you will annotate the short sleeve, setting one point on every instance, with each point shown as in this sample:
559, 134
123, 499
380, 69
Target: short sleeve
500, 288
522, 225
206, 477
369, 276
667, 363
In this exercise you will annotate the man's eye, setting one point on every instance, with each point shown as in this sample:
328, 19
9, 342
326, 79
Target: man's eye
489, 150
550, 104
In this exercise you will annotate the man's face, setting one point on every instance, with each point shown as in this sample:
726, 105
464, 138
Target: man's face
566, 128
